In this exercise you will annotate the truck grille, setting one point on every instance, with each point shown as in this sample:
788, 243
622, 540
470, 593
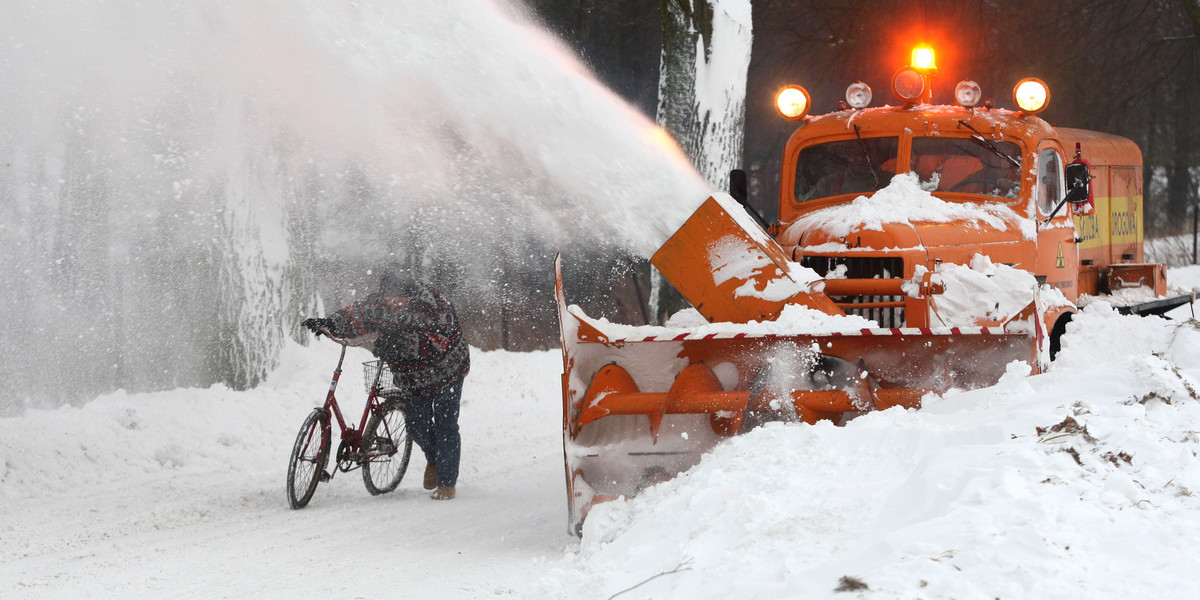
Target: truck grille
886, 317
857, 267
864, 267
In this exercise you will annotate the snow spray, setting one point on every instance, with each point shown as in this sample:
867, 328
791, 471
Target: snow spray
179, 178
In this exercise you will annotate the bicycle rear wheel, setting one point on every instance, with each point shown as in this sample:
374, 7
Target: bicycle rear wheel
386, 448
309, 455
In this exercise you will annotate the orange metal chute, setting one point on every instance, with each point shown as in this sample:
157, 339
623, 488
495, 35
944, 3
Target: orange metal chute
726, 271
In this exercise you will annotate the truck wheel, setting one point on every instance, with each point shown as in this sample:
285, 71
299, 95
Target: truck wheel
1056, 333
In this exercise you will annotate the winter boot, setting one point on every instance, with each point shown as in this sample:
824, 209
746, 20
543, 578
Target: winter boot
430, 476
444, 492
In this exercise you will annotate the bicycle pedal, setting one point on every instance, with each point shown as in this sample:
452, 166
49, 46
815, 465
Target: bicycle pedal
325, 476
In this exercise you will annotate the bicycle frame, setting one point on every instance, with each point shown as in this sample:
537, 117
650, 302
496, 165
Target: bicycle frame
351, 436
379, 444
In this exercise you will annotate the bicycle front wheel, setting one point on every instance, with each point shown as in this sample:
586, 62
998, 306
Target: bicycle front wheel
309, 455
386, 448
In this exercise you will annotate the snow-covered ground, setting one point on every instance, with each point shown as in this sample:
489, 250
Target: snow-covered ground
181, 494
1083, 482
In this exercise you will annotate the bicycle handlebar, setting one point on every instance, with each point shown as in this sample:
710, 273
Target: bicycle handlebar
359, 341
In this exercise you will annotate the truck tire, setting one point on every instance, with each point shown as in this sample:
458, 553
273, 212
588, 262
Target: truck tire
1056, 333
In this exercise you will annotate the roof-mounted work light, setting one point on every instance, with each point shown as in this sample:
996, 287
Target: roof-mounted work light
909, 84
858, 95
967, 93
913, 83
1031, 95
793, 102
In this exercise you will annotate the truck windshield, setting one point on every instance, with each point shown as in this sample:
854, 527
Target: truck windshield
856, 166
964, 165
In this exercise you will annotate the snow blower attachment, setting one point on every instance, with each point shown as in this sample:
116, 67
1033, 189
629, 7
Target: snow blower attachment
915, 248
642, 404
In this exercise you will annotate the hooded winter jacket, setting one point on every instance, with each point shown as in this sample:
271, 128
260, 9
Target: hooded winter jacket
421, 340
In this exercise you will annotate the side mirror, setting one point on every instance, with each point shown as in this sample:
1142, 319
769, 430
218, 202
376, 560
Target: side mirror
1079, 183
739, 190
737, 186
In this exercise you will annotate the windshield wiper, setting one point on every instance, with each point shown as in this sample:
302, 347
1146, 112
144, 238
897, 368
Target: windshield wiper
866, 155
978, 138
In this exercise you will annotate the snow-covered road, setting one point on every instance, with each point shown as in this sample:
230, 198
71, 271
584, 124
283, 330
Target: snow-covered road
181, 494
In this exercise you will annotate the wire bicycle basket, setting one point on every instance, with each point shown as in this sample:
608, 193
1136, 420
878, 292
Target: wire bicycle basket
387, 379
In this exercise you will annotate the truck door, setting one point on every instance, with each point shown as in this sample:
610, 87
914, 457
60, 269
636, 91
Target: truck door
1057, 254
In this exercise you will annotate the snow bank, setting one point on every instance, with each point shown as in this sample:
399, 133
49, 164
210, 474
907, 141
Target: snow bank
1185, 279
1060, 485
903, 201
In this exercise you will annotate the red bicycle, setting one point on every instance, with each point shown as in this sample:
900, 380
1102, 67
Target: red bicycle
380, 444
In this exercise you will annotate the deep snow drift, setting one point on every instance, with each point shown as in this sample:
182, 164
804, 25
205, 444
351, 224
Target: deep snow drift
1081, 482
1073, 484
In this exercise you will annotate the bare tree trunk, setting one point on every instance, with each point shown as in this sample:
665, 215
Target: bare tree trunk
701, 97
702, 81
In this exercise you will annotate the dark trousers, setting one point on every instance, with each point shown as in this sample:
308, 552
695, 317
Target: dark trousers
432, 422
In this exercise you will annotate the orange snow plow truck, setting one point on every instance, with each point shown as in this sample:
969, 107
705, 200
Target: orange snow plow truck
918, 248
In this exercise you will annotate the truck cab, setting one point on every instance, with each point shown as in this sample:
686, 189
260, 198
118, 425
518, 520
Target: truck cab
973, 180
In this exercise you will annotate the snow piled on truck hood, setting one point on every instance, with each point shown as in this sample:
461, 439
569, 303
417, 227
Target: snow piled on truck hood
903, 201
984, 290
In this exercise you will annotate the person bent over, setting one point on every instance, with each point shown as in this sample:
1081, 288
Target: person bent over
420, 339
